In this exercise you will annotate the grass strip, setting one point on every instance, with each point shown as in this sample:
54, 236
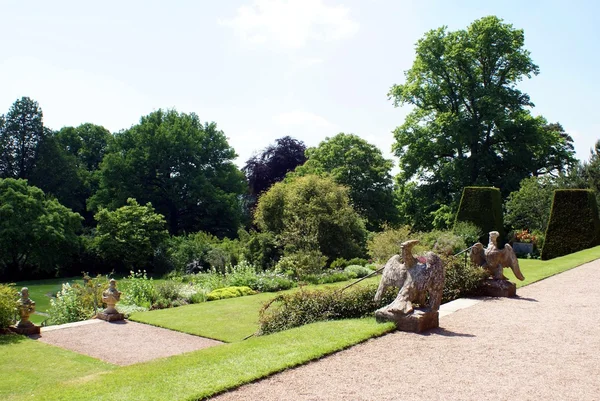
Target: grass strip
536, 270
28, 366
206, 372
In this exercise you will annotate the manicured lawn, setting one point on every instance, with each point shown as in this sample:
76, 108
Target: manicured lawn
197, 374
226, 320
28, 366
535, 270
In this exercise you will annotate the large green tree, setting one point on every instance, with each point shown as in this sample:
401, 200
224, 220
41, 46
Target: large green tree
38, 235
21, 134
183, 167
312, 213
470, 124
359, 165
529, 207
129, 236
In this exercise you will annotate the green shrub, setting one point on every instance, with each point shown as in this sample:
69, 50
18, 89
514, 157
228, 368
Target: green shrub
441, 242
271, 282
386, 243
8, 301
168, 290
339, 263
68, 306
229, 292
462, 278
301, 263
469, 232
260, 249
139, 289
357, 261
482, 206
356, 271
302, 307
573, 225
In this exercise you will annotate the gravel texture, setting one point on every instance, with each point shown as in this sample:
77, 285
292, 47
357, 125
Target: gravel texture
542, 345
124, 342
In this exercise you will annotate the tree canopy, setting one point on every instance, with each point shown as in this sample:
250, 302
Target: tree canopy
359, 165
312, 213
37, 234
470, 124
183, 167
273, 163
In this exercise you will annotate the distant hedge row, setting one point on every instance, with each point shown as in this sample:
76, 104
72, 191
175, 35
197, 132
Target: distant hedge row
574, 224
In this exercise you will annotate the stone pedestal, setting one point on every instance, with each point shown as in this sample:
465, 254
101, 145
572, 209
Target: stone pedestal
498, 288
26, 328
110, 317
416, 322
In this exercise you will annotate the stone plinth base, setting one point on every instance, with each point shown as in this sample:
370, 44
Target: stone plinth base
26, 330
498, 288
416, 322
110, 317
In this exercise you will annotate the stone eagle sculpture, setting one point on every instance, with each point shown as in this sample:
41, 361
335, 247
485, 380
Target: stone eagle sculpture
421, 283
493, 259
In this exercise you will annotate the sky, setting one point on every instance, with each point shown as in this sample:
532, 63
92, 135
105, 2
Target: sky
263, 69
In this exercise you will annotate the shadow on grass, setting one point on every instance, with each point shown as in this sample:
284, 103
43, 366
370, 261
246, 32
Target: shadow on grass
8, 339
440, 331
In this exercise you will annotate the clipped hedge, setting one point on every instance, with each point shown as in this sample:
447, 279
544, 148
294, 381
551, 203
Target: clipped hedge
574, 224
482, 207
229, 292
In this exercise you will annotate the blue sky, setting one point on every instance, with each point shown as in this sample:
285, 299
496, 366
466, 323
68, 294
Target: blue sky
263, 69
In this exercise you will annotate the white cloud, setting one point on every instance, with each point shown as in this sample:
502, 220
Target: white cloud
303, 118
292, 23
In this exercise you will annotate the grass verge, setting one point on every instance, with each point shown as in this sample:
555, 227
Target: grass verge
28, 366
203, 373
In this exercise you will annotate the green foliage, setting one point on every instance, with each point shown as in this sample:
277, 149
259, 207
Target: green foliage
574, 224
462, 279
482, 206
441, 242
358, 261
385, 244
353, 162
202, 252
37, 234
469, 232
339, 263
357, 271
8, 302
139, 290
229, 292
76, 302
529, 207
303, 307
181, 166
260, 248
301, 263
470, 124
129, 236
309, 213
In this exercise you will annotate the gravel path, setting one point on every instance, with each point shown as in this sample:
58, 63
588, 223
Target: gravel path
123, 342
544, 345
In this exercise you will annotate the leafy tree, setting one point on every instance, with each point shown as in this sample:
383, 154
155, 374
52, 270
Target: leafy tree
130, 235
275, 161
529, 207
21, 133
183, 167
470, 125
355, 163
38, 235
312, 213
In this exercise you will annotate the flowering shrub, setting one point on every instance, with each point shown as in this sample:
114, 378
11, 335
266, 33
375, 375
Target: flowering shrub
525, 236
68, 306
139, 290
